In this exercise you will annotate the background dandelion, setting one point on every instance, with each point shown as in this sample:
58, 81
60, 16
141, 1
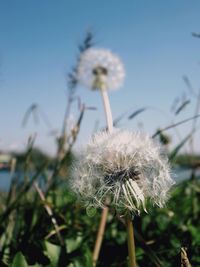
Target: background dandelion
100, 67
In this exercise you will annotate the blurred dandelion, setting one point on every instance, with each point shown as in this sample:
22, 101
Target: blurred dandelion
124, 168
100, 68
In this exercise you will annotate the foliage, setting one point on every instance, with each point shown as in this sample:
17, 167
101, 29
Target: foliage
37, 157
164, 138
28, 236
187, 160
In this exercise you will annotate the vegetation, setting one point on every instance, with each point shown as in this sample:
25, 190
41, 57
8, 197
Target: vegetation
29, 238
188, 160
36, 156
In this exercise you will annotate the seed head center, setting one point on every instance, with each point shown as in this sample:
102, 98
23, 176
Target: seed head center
122, 175
99, 70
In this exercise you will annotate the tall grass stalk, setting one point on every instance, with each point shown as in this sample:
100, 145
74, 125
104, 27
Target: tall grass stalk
50, 212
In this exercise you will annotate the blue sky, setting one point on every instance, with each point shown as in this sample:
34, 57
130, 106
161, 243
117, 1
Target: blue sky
38, 45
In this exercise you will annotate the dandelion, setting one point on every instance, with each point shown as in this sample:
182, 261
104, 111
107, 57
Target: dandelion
100, 68
123, 168
118, 168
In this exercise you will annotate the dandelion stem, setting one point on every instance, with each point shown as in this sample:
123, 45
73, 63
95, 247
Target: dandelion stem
104, 214
131, 243
100, 235
107, 108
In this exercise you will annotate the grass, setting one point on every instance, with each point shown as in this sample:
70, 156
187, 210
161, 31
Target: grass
28, 235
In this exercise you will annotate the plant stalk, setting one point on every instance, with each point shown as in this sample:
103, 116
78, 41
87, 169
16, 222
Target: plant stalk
50, 213
131, 243
102, 225
100, 236
107, 109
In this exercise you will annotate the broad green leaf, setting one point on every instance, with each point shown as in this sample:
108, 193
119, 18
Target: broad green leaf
19, 261
73, 243
53, 252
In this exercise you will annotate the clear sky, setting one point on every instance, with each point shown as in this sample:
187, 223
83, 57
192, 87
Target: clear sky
38, 45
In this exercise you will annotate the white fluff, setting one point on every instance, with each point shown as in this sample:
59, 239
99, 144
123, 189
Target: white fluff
124, 169
93, 58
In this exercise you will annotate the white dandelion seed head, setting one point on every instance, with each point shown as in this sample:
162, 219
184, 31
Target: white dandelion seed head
124, 167
103, 63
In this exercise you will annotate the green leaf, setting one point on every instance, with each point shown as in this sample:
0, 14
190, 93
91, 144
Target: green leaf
91, 211
53, 252
73, 243
195, 234
19, 261
135, 113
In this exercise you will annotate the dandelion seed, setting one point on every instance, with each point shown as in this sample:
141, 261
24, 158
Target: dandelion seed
100, 68
123, 167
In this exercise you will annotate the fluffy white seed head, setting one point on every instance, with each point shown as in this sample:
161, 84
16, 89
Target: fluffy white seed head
100, 67
124, 169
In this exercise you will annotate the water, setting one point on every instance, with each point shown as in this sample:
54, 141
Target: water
5, 180
179, 174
